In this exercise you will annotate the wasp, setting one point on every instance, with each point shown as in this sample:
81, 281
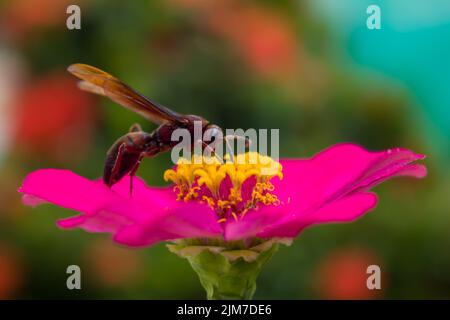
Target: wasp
125, 155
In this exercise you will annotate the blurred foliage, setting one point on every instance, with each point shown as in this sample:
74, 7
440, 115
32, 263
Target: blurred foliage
241, 64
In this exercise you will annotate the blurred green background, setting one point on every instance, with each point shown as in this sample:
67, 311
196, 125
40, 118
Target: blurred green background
310, 68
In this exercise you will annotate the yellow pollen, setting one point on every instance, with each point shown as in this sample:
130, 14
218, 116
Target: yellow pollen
193, 177
209, 201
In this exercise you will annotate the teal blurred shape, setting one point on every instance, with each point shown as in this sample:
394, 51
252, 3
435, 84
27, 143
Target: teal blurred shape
413, 46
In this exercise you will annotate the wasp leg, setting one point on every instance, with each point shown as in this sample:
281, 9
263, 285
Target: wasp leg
118, 159
133, 173
124, 156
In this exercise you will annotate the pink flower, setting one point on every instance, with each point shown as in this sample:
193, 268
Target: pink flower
227, 200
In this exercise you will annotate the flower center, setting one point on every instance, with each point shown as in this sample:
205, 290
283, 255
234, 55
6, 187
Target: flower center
230, 188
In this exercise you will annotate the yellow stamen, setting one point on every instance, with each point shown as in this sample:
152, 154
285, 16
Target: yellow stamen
191, 176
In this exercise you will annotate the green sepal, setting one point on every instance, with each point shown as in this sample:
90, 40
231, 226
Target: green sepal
227, 270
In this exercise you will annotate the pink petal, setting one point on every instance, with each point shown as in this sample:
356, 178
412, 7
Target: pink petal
184, 220
341, 169
255, 221
153, 213
66, 189
346, 209
328, 181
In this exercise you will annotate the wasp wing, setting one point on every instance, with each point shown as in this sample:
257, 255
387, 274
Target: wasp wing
100, 82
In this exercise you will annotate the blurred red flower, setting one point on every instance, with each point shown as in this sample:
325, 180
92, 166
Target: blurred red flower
113, 265
267, 41
23, 16
11, 72
343, 274
11, 272
200, 5
53, 116
264, 38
